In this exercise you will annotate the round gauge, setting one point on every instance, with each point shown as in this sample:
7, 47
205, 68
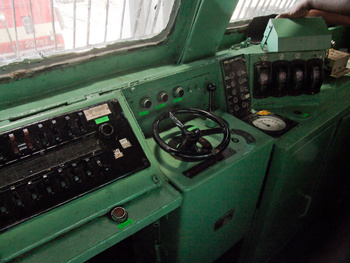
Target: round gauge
269, 123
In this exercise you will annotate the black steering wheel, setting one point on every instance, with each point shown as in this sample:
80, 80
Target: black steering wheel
185, 146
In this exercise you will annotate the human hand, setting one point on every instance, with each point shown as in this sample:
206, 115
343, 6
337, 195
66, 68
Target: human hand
295, 12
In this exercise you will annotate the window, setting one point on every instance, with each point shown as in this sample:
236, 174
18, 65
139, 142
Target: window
248, 9
38, 28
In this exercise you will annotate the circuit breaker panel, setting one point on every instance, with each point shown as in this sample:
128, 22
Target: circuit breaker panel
50, 162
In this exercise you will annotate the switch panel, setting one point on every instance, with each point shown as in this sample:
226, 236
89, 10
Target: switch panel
53, 161
286, 74
236, 83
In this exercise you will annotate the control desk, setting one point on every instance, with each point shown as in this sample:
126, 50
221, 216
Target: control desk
185, 161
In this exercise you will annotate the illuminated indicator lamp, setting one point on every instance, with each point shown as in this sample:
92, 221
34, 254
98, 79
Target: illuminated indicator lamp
177, 100
142, 113
119, 214
102, 120
160, 106
125, 224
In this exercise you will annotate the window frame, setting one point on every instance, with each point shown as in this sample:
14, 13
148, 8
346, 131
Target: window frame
19, 69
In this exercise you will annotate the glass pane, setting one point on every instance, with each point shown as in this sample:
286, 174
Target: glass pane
248, 9
39, 28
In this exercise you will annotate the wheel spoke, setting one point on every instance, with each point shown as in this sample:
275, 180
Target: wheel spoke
178, 123
206, 145
211, 131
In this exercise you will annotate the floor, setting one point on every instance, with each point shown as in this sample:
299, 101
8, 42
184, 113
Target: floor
326, 240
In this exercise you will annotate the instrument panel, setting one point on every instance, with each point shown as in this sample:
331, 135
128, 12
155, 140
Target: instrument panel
236, 85
276, 75
51, 162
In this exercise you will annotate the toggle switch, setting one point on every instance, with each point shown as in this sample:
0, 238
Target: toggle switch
27, 139
18, 199
80, 122
3, 209
55, 131
68, 126
42, 135
14, 144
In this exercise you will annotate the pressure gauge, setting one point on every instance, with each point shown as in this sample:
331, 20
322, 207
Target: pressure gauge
269, 123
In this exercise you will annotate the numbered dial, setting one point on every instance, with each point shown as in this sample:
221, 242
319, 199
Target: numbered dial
269, 123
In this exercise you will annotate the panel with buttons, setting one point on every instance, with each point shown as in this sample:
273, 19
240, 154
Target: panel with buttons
47, 163
236, 83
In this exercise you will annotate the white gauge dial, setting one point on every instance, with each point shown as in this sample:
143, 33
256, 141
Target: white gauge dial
269, 123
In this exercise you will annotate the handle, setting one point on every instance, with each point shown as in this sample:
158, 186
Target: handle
309, 199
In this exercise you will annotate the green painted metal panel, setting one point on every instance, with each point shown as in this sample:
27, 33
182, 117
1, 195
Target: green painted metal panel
302, 34
100, 233
208, 29
230, 185
298, 162
41, 238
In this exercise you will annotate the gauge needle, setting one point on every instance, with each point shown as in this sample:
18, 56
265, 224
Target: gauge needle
268, 125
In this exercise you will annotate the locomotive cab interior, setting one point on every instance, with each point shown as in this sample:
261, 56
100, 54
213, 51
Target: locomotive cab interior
211, 141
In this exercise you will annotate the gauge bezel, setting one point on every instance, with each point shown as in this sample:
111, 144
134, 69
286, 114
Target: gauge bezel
289, 124
269, 118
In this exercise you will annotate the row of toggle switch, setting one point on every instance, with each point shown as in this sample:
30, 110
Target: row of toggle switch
50, 189
48, 163
40, 136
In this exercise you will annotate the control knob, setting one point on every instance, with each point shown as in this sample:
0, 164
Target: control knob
163, 97
178, 92
146, 103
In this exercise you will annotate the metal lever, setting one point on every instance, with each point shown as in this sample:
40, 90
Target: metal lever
211, 88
